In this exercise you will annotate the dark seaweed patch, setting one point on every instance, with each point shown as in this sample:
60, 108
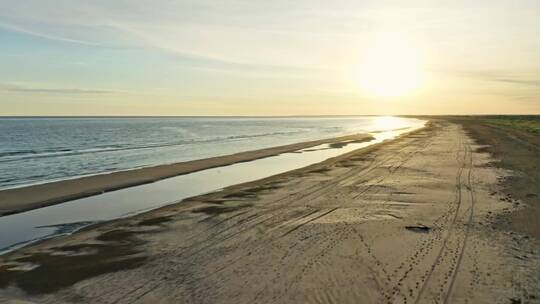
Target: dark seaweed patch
116, 235
154, 221
346, 164
243, 194
252, 192
56, 271
215, 210
485, 149
321, 170
338, 145
267, 187
341, 144
418, 228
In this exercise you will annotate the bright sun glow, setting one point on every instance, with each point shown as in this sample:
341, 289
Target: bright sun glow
386, 123
390, 67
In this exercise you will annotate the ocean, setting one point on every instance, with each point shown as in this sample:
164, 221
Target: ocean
38, 150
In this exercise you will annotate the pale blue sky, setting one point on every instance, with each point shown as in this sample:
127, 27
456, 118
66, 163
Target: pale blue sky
262, 57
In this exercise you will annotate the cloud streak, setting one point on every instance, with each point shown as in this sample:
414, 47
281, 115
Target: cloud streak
18, 29
18, 88
528, 82
525, 78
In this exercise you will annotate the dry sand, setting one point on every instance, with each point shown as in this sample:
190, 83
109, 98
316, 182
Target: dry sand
37, 196
410, 221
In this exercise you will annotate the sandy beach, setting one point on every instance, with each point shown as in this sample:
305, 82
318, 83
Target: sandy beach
413, 220
27, 198
273, 152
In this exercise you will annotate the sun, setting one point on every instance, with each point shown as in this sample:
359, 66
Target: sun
390, 67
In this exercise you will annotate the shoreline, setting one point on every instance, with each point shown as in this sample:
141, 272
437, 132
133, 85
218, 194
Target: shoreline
21, 199
389, 205
135, 209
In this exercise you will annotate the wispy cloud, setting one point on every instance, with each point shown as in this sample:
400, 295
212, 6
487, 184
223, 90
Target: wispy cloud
526, 78
261, 50
25, 88
18, 29
529, 82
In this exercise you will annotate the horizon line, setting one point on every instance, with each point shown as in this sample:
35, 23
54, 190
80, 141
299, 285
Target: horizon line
250, 116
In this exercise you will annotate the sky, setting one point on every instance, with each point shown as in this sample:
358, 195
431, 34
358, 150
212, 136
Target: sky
231, 57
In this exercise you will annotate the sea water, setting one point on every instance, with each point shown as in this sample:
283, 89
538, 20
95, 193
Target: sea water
38, 150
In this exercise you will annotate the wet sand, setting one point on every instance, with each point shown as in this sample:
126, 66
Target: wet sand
413, 220
27, 198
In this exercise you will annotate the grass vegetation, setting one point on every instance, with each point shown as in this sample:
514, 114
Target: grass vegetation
527, 123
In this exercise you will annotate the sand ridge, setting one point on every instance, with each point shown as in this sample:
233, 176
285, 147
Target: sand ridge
31, 197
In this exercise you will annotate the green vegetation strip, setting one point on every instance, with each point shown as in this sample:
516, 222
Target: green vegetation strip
530, 124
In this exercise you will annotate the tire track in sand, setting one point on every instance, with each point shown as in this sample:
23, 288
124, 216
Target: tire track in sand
470, 188
452, 232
